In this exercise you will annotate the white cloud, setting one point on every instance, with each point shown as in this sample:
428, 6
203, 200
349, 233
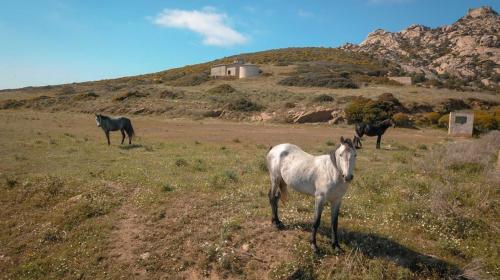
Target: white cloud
210, 24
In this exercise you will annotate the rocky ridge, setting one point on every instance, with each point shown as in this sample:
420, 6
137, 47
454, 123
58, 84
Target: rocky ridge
468, 49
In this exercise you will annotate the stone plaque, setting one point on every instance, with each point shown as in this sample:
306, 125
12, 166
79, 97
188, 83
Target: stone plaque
461, 124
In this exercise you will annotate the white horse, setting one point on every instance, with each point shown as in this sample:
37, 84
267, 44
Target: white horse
325, 177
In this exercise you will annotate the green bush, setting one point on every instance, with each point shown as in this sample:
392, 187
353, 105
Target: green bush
362, 109
322, 98
402, 120
221, 89
444, 120
244, 105
130, 95
484, 121
432, 117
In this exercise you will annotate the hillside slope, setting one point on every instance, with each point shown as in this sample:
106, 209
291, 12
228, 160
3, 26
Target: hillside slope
468, 49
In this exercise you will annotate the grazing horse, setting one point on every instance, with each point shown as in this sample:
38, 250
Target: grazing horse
325, 177
113, 124
377, 129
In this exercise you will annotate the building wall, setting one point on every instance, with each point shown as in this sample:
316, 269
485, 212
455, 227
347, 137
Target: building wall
232, 71
402, 80
218, 71
248, 71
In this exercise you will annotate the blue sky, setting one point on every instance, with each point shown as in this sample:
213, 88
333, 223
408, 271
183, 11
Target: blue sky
59, 41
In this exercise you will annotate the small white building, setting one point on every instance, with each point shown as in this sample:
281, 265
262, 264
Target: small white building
236, 69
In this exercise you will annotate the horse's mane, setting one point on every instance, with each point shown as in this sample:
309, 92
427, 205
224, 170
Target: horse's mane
384, 122
104, 117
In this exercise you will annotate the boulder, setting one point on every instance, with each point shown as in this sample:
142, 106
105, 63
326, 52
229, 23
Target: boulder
338, 116
318, 115
490, 41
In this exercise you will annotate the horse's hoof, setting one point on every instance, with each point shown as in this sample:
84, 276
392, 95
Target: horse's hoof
315, 249
337, 248
279, 225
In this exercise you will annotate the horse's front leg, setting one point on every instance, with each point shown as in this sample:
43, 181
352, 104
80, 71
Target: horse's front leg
335, 223
379, 137
318, 209
107, 136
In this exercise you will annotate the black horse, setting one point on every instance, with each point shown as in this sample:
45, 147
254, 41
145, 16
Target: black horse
113, 124
371, 129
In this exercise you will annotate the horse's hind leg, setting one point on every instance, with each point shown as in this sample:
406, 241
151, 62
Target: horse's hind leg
123, 135
379, 137
274, 196
318, 209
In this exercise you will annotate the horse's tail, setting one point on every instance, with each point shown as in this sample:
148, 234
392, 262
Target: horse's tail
130, 129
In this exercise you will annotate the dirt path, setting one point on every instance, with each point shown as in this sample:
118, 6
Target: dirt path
127, 240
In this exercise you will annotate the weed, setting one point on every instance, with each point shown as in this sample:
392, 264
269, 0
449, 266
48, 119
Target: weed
200, 165
180, 162
11, 182
167, 188
422, 147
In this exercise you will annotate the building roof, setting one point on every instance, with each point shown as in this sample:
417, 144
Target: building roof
235, 64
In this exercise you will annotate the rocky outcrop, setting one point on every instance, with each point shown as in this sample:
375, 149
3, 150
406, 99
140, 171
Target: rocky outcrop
468, 49
314, 116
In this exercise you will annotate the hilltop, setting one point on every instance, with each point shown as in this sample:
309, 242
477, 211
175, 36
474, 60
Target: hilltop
466, 51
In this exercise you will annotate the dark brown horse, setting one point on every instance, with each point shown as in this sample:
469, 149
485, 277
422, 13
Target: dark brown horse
371, 129
113, 124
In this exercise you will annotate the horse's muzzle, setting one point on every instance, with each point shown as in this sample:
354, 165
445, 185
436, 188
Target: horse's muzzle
348, 178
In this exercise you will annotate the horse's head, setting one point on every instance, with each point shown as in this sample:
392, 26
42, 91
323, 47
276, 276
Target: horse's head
345, 157
98, 119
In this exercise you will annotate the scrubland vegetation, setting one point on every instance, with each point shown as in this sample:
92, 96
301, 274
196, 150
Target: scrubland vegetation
183, 204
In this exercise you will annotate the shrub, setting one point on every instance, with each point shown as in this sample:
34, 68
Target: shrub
130, 94
171, 94
67, 90
289, 105
484, 121
444, 121
318, 80
180, 162
244, 105
322, 98
432, 117
362, 109
12, 104
402, 120
221, 89
86, 96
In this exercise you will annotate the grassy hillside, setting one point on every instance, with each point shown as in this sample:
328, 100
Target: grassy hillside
293, 80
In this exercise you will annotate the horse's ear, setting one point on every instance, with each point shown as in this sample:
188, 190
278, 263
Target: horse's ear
342, 140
